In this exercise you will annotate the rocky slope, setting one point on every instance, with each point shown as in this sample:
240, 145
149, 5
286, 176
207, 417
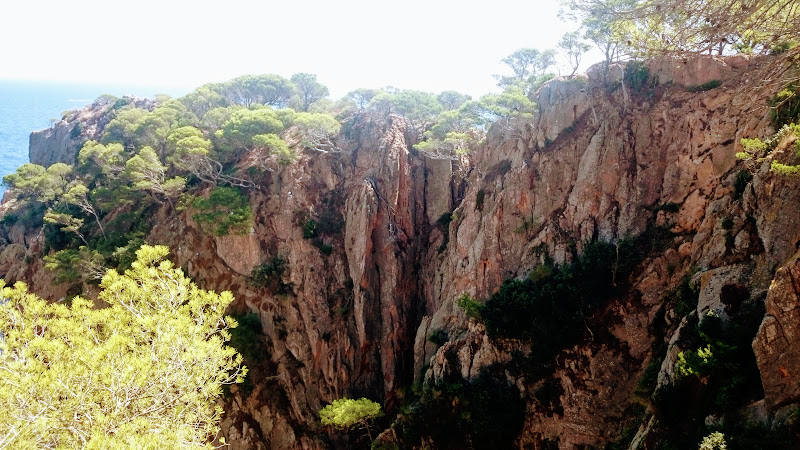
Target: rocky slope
597, 163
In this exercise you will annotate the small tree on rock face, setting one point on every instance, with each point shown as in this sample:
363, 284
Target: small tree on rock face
573, 47
527, 64
346, 413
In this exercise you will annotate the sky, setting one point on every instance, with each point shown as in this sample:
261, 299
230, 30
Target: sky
429, 45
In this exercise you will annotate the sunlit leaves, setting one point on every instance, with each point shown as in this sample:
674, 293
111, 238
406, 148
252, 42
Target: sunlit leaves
145, 371
346, 412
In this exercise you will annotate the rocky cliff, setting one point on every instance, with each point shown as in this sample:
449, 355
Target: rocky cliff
62, 141
354, 311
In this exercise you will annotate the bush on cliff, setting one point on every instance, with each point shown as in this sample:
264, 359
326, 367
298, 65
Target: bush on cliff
550, 310
225, 211
144, 372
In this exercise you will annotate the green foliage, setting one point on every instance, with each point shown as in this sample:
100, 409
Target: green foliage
683, 299
361, 97
573, 47
471, 307
309, 229
550, 310
34, 182
680, 26
784, 169
243, 125
479, 198
786, 106
752, 147
484, 414
344, 413
527, 66
97, 159
438, 337
512, 103
717, 370
541, 272
248, 90
226, 210
325, 249
454, 133
649, 380
452, 100
309, 90
65, 264
636, 75
146, 369
714, 441
245, 338
147, 173
268, 275
444, 224
743, 178
316, 131
9, 219
73, 265
707, 86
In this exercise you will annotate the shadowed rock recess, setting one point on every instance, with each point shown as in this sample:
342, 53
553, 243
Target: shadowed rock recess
547, 212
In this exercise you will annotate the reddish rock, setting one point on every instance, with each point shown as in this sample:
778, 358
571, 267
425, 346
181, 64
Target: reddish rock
776, 344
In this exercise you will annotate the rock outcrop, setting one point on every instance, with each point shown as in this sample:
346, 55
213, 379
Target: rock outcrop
63, 140
597, 162
775, 346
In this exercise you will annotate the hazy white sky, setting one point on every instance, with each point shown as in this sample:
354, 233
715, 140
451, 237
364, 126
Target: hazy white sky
430, 45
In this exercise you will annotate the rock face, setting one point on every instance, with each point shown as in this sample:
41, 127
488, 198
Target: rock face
775, 346
597, 162
62, 141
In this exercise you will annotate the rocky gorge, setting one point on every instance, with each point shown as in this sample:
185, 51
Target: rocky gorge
369, 306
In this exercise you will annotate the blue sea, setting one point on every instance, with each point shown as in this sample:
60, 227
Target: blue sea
27, 106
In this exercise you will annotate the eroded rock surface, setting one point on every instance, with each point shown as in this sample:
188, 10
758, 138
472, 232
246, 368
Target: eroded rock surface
596, 163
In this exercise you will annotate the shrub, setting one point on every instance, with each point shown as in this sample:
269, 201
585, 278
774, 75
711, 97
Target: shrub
540, 272
444, 224
345, 413
309, 229
485, 414
245, 337
225, 210
714, 441
145, 363
64, 263
743, 178
268, 275
717, 372
438, 337
684, 297
636, 75
707, 86
479, 197
471, 307
786, 106
9, 219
